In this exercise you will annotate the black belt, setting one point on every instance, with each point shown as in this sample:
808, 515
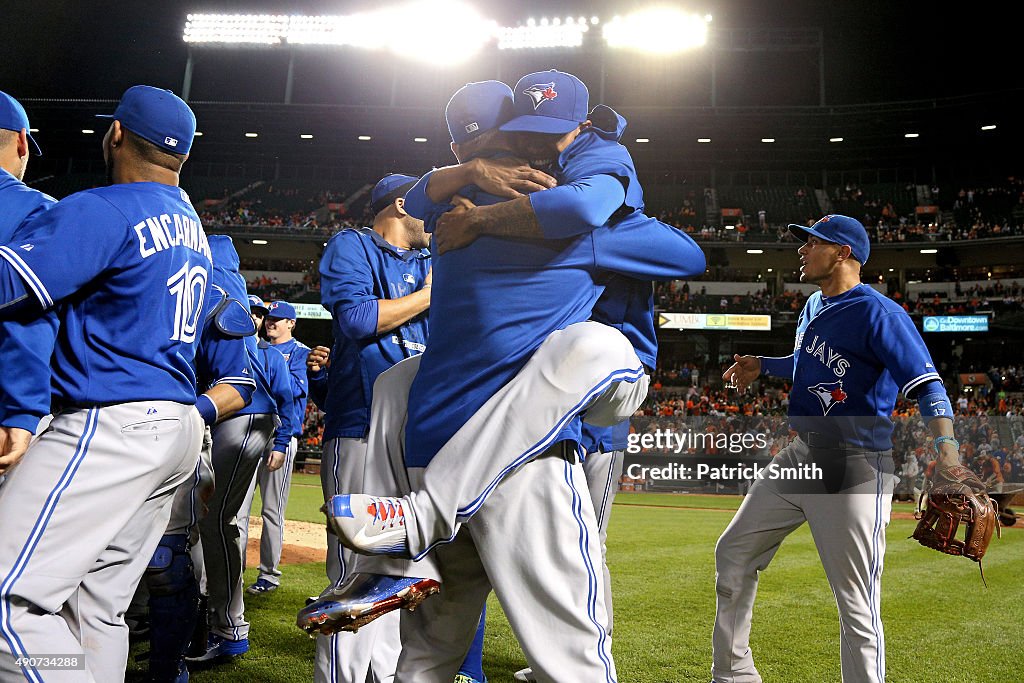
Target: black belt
821, 440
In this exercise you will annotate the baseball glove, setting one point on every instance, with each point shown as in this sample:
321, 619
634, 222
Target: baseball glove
957, 496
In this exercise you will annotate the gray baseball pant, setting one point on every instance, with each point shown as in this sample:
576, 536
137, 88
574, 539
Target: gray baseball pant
586, 369
848, 527
348, 657
603, 472
274, 487
238, 445
535, 536
80, 517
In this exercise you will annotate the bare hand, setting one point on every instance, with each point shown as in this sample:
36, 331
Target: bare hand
13, 444
743, 372
319, 357
509, 177
455, 229
275, 460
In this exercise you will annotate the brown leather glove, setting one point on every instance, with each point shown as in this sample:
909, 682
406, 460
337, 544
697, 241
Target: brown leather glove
957, 496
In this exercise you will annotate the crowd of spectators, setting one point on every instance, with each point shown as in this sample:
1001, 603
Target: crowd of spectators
676, 296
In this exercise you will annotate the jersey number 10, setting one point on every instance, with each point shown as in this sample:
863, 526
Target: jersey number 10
188, 287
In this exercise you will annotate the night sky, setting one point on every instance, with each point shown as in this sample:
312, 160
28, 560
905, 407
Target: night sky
875, 51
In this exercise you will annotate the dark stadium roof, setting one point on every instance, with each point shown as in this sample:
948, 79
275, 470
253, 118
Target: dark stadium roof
875, 50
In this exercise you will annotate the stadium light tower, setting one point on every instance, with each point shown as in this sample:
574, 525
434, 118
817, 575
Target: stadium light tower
658, 30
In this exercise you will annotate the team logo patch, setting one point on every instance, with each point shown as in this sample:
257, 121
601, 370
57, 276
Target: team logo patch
472, 127
172, 142
541, 93
828, 394
409, 278
28, 247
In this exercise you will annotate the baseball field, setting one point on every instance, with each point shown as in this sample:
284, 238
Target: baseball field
942, 624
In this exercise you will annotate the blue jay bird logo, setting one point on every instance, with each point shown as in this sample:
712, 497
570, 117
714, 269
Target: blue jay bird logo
828, 394
541, 93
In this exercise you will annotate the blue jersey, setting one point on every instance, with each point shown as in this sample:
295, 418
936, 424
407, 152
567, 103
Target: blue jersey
854, 353
605, 439
495, 301
275, 370
26, 345
221, 358
130, 263
360, 266
295, 353
267, 397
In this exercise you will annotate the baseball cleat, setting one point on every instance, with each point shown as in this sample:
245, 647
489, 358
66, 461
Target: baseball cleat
374, 525
524, 675
218, 647
362, 598
261, 587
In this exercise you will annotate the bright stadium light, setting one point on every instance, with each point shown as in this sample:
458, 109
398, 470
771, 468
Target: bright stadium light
991, 126
643, 139
198, 134
88, 131
545, 35
658, 30
929, 251
305, 136
912, 135
767, 139
33, 130
259, 242
704, 140
442, 32
419, 139
364, 138
835, 139
252, 135
755, 251
437, 31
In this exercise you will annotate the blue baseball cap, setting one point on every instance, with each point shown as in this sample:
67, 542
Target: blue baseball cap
476, 108
838, 229
158, 116
256, 302
549, 102
388, 189
13, 117
281, 309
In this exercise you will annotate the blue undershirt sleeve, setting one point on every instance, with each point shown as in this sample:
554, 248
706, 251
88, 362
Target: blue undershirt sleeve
359, 321
579, 207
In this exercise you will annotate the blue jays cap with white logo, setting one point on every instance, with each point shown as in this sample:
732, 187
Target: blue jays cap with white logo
549, 102
388, 189
281, 309
13, 117
476, 108
257, 303
156, 115
838, 229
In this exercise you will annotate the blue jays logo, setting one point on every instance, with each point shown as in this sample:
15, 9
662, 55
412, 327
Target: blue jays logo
541, 93
828, 394
408, 277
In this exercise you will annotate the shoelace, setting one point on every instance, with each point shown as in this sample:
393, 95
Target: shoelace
384, 510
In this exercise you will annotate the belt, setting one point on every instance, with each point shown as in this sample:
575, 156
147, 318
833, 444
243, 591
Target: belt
821, 440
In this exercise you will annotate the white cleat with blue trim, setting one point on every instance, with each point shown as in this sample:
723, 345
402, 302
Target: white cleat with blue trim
374, 525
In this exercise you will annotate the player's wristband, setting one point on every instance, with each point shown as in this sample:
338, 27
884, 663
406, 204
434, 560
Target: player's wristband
945, 439
207, 409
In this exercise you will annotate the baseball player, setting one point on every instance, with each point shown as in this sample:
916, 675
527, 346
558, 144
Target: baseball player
602, 450
24, 395
489, 340
855, 351
171, 583
274, 485
239, 444
82, 513
377, 284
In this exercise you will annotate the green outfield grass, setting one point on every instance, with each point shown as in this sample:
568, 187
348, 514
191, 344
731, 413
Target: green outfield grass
941, 624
